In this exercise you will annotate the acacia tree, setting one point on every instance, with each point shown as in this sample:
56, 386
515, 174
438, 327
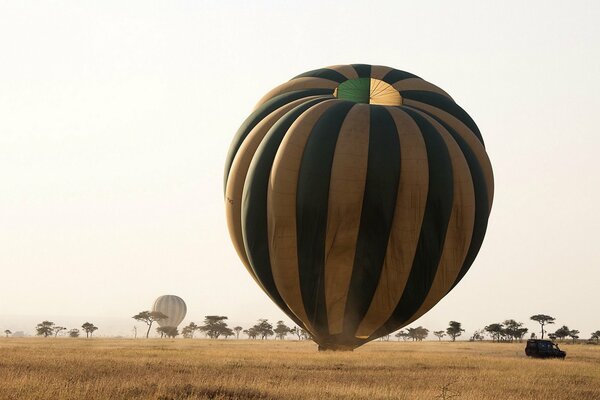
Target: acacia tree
237, 330
454, 330
417, 334
74, 333
543, 320
251, 332
58, 329
281, 330
89, 329
188, 331
562, 332
149, 317
401, 334
45, 328
264, 329
574, 334
215, 326
169, 331
496, 331
596, 335
514, 329
7, 332
439, 334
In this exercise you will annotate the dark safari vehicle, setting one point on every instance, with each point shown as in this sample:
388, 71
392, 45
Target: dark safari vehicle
543, 349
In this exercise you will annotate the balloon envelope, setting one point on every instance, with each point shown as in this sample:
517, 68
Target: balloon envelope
173, 307
357, 196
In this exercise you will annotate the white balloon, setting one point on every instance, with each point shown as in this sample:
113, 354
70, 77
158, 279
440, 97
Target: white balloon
173, 307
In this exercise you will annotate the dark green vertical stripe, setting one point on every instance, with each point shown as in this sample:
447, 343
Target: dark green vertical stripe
482, 209
312, 198
438, 208
445, 104
396, 75
324, 73
254, 204
260, 113
362, 70
377, 215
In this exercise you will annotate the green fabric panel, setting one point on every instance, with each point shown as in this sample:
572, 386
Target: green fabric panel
379, 204
356, 90
254, 204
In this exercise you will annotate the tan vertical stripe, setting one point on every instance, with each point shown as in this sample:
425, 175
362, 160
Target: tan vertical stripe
379, 71
347, 184
419, 84
281, 210
469, 137
406, 227
460, 227
298, 84
345, 70
237, 177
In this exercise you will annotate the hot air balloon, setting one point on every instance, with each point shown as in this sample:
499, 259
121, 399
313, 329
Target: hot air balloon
173, 307
357, 196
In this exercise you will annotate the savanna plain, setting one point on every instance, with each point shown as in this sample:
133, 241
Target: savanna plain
166, 369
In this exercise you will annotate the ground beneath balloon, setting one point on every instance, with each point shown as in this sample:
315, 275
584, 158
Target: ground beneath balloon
34, 368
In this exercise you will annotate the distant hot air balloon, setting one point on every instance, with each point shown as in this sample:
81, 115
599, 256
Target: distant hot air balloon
173, 307
357, 196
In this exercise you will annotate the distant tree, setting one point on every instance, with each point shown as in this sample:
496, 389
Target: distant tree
281, 330
401, 334
454, 330
7, 332
264, 329
514, 330
417, 334
251, 332
439, 334
552, 336
215, 326
562, 332
45, 328
168, 331
149, 317
543, 320
188, 330
237, 330
477, 335
58, 329
496, 331
89, 329
596, 335
227, 332
74, 333
574, 334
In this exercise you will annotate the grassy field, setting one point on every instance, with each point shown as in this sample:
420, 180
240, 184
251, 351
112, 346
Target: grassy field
33, 368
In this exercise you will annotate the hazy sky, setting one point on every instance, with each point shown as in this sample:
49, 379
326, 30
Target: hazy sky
115, 119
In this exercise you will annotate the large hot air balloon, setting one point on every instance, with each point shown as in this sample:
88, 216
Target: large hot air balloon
357, 196
173, 307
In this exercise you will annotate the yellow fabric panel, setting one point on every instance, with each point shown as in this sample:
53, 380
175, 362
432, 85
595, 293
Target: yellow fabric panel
237, 177
345, 70
406, 226
468, 136
297, 84
382, 93
379, 71
419, 84
347, 184
281, 210
460, 227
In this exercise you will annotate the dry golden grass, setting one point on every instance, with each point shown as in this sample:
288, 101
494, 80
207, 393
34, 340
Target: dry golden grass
202, 369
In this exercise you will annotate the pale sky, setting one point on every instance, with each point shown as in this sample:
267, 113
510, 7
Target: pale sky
115, 119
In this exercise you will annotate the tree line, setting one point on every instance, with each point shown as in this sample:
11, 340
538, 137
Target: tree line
215, 327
